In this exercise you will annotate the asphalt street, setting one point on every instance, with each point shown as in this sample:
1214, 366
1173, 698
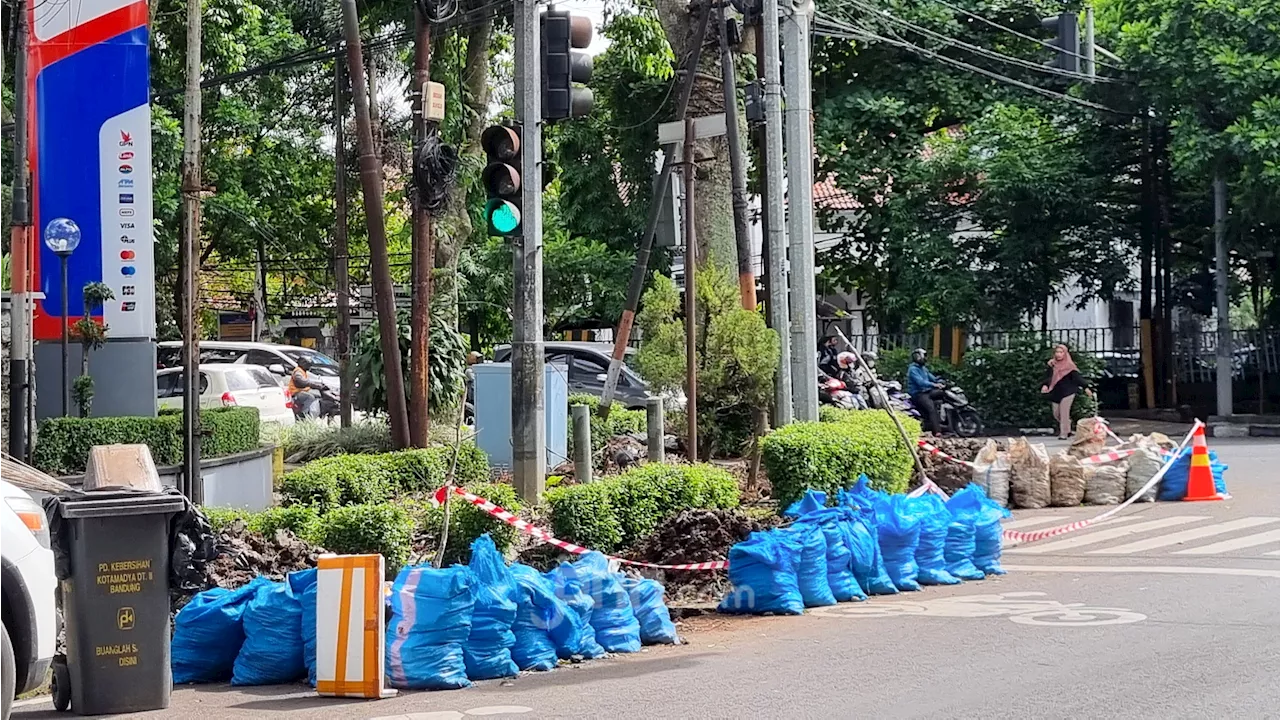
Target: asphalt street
1165, 612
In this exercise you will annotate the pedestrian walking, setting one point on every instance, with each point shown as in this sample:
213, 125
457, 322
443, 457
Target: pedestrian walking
1062, 382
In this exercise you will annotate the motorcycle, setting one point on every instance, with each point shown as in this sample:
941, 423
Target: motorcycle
835, 393
891, 391
956, 414
329, 406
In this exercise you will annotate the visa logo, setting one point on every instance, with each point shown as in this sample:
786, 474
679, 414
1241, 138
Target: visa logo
126, 226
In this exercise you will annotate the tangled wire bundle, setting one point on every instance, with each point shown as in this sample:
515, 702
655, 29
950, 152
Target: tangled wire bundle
435, 165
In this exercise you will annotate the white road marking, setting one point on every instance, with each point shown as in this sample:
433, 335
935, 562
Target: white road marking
1029, 522
1248, 541
1186, 536
1146, 570
1092, 538
500, 710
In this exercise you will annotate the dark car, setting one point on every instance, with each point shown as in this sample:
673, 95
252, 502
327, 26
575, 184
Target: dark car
588, 365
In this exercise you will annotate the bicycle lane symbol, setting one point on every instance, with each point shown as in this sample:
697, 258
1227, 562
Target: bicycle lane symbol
1023, 608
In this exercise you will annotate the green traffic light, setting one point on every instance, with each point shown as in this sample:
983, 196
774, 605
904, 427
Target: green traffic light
504, 217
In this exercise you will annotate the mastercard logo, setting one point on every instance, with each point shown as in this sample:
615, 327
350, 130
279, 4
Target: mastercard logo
127, 254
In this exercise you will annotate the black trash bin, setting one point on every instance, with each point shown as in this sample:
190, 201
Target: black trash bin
114, 581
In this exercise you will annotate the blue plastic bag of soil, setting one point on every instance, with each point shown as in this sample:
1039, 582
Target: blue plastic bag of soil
538, 611
272, 649
569, 590
868, 563
812, 501
1173, 486
811, 572
208, 633
303, 585
762, 569
431, 612
959, 552
651, 610
844, 587
898, 529
970, 506
617, 629
487, 651
931, 555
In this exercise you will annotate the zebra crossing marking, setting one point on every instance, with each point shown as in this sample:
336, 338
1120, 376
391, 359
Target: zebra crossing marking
1248, 541
1092, 538
1028, 522
1187, 536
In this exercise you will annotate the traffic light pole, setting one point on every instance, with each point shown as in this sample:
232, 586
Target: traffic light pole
776, 234
528, 427
641, 268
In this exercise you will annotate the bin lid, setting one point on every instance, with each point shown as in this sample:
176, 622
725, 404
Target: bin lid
118, 503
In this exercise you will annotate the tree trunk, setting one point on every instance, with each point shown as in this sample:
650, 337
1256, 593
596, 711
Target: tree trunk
713, 194
454, 228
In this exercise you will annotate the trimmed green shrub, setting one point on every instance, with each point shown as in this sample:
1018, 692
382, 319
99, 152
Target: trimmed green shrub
618, 511
357, 479
301, 520
221, 518
386, 529
467, 522
64, 443
830, 455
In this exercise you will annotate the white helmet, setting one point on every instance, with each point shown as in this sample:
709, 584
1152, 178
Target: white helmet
846, 360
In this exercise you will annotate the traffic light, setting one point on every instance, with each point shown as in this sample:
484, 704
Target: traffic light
1066, 46
501, 178
564, 37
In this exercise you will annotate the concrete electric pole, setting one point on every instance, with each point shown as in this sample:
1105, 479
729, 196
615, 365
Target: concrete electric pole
1221, 275
775, 234
528, 424
194, 488
804, 332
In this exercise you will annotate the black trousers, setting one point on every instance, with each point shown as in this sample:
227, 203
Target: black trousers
927, 402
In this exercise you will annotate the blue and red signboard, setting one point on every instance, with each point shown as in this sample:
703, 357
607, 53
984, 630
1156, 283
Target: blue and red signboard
90, 158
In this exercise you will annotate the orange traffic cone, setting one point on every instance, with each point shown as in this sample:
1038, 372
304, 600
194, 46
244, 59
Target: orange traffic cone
1200, 481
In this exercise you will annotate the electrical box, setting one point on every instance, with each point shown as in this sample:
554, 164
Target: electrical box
493, 402
433, 101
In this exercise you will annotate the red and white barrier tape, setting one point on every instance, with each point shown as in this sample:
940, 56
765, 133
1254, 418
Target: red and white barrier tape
1091, 460
542, 535
935, 451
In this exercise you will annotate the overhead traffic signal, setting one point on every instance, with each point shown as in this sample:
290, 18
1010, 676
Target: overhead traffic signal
1066, 45
501, 178
565, 36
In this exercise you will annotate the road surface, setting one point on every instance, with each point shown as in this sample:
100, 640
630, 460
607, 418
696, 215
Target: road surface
1167, 612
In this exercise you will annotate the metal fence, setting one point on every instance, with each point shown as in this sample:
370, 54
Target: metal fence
1088, 341
1253, 353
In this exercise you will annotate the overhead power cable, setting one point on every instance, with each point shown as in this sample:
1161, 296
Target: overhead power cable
834, 27
1023, 35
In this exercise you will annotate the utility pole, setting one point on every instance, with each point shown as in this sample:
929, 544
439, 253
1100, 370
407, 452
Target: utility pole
804, 303
19, 245
641, 269
776, 235
529, 447
422, 250
1220, 275
737, 166
342, 254
191, 187
1149, 226
1090, 67
371, 187
689, 169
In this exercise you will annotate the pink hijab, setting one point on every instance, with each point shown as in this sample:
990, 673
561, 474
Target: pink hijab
1061, 368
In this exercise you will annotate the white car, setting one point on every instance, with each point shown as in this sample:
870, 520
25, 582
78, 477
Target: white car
27, 585
280, 360
228, 385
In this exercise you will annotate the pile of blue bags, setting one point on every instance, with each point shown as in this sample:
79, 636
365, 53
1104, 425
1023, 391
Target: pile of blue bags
1174, 484
870, 543
447, 627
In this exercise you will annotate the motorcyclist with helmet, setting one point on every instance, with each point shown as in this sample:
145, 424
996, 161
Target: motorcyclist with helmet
305, 402
925, 390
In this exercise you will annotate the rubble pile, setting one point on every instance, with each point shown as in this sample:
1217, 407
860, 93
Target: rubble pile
235, 556
948, 475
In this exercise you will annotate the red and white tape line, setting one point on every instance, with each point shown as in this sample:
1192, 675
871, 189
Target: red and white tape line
542, 535
1091, 460
935, 451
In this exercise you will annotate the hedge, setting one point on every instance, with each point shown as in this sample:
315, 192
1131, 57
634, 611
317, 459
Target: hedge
618, 511
301, 520
384, 528
620, 422
356, 479
830, 455
63, 443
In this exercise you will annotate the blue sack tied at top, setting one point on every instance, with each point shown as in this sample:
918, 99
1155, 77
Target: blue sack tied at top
812, 501
840, 577
431, 613
487, 651
1173, 486
762, 569
582, 642
864, 541
303, 584
612, 618
971, 506
538, 612
272, 653
651, 610
811, 571
931, 550
208, 634
898, 528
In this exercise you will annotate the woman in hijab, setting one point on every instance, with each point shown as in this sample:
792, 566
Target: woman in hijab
1062, 383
